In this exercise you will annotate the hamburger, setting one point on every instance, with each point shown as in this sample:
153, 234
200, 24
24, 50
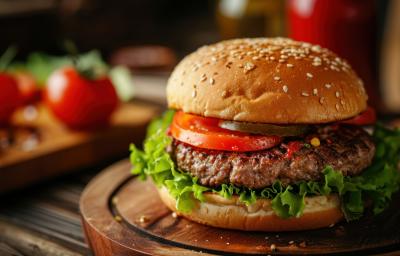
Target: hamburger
268, 134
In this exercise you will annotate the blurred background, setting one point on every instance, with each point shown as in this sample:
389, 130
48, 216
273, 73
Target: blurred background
154, 35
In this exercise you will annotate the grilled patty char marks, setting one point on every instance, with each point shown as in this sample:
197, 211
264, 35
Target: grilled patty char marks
347, 149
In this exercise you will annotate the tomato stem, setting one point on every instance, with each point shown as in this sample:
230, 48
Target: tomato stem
72, 50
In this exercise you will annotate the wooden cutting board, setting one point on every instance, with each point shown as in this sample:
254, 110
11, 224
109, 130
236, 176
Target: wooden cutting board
43, 147
122, 215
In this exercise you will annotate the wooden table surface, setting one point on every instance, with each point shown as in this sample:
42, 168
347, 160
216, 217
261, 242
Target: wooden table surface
44, 220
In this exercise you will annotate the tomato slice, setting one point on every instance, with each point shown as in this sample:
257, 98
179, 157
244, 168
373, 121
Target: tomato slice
365, 118
204, 132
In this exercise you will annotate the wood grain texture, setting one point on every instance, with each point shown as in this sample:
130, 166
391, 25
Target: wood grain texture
44, 218
122, 215
61, 150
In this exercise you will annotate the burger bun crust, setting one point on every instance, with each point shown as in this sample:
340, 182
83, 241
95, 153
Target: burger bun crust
266, 80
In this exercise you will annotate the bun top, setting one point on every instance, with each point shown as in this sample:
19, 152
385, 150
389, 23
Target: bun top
266, 80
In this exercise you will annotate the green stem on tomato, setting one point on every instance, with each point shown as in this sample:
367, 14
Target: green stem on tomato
86, 72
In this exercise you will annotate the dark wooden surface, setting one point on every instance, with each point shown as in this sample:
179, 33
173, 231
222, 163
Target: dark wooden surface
44, 219
124, 216
61, 150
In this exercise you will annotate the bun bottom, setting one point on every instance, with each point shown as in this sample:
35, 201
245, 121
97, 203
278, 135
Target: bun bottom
216, 211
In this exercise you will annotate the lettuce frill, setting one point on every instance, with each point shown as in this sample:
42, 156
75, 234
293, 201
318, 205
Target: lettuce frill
377, 183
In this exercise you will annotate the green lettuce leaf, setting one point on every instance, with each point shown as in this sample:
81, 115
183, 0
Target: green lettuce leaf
378, 182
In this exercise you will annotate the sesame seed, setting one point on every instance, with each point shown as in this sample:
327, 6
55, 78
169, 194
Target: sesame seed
317, 59
289, 65
272, 58
328, 86
194, 94
249, 66
114, 200
143, 219
305, 94
316, 48
291, 242
281, 61
309, 75
117, 218
277, 78
227, 243
203, 78
212, 81
285, 88
214, 59
337, 106
273, 247
321, 100
315, 91
342, 102
316, 64
256, 58
174, 215
337, 94
334, 68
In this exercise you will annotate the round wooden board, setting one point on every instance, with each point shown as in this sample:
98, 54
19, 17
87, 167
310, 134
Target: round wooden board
122, 215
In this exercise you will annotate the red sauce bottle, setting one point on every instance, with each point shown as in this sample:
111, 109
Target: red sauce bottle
347, 27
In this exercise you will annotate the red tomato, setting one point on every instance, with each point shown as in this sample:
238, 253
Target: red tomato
365, 118
79, 102
9, 97
204, 132
30, 92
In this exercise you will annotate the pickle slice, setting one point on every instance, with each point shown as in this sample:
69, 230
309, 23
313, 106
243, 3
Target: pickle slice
264, 129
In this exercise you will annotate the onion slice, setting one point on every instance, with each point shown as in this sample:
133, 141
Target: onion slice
264, 129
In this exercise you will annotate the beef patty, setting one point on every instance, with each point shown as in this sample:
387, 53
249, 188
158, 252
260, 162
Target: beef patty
347, 149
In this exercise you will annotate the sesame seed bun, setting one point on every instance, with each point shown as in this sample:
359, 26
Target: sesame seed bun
266, 80
319, 212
